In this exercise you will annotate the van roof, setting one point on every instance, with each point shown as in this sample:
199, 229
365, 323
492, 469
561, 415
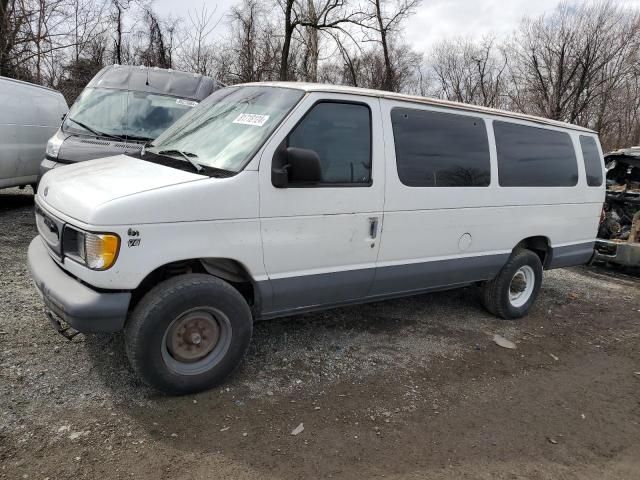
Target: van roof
191, 86
320, 87
29, 84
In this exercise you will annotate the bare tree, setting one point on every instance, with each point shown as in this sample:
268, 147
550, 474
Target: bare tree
374, 71
470, 72
386, 18
156, 52
325, 15
312, 43
350, 59
88, 24
254, 46
197, 53
245, 20
5, 33
558, 61
11, 21
119, 7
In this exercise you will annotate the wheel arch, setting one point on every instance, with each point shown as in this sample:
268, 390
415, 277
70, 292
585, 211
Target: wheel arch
227, 269
538, 244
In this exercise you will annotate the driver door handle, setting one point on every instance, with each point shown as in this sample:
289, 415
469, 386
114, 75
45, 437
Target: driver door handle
373, 227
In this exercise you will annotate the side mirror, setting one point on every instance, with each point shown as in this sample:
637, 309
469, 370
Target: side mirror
295, 165
304, 165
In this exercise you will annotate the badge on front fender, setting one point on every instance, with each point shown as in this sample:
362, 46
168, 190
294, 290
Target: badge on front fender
133, 242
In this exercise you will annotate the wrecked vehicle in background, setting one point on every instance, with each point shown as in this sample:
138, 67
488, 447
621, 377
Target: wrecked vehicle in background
619, 232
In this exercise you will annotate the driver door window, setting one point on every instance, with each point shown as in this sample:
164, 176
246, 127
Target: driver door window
340, 133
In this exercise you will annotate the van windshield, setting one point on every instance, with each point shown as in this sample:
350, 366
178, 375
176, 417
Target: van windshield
227, 128
124, 114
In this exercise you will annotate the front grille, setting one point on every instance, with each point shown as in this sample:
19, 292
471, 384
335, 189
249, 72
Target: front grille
50, 229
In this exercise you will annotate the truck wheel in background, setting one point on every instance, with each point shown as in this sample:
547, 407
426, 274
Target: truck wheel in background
188, 333
512, 292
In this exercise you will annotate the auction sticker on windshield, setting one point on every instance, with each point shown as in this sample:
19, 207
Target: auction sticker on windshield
251, 119
188, 103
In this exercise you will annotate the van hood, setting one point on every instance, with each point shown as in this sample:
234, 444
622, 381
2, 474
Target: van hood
79, 190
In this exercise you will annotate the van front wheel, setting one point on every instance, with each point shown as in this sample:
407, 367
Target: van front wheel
512, 292
188, 334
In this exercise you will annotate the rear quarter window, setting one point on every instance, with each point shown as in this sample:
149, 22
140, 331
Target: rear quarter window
534, 157
592, 160
435, 149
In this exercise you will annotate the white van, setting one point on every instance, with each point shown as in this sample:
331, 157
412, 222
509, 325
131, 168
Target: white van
277, 198
30, 114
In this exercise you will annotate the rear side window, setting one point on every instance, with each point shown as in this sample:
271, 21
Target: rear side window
592, 161
534, 157
436, 149
340, 133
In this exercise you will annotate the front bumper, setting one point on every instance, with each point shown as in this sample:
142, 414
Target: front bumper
85, 309
621, 253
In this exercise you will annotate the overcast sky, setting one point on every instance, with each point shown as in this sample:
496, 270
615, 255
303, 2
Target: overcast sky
434, 20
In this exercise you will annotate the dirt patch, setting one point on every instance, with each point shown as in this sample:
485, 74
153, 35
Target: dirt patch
411, 388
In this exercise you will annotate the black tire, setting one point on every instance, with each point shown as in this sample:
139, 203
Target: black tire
153, 323
496, 292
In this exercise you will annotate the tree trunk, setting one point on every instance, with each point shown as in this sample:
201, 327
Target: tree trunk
118, 45
38, 42
4, 44
312, 44
351, 69
286, 45
387, 83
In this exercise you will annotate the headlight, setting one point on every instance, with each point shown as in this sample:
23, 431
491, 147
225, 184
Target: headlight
54, 144
98, 251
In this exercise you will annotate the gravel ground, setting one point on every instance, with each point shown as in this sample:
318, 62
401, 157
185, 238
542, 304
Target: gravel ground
410, 388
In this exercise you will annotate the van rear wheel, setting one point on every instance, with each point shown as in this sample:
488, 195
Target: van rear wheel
512, 292
188, 334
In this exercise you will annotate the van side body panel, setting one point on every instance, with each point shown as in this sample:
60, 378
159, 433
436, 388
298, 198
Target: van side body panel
431, 238
30, 115
437, 236
571, 255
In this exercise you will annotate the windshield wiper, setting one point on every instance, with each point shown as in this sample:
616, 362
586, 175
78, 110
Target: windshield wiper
186, 155
97, 133
146, 145
139, 138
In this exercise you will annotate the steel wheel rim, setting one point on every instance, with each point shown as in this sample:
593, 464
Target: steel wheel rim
196, 341
521, 286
